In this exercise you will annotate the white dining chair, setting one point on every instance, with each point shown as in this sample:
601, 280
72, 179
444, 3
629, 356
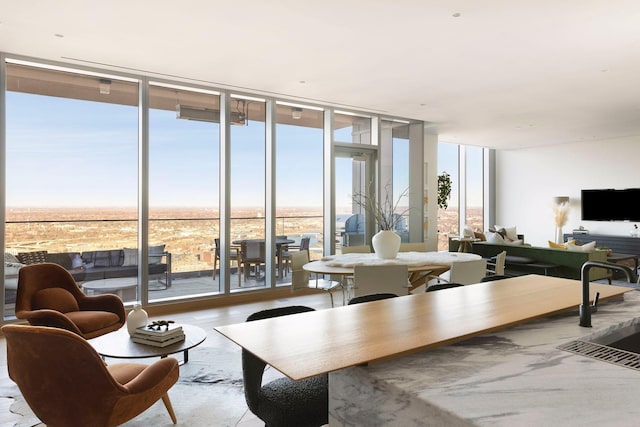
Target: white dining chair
300, 278
375, 279
464, 272
413, 247
347, 280
497, 267
360, 249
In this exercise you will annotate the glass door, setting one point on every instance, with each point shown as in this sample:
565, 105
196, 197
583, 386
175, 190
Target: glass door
354, 180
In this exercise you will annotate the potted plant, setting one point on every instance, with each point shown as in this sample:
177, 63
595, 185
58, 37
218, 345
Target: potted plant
444, 190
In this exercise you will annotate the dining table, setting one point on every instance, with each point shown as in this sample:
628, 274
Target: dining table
419, 264
281, 244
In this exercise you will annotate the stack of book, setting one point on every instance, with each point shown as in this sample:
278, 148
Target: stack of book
162, 337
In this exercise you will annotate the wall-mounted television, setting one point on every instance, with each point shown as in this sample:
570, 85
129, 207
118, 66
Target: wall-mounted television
610, 205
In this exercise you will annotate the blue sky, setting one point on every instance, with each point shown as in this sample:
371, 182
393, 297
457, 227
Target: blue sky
74, 153
64, 152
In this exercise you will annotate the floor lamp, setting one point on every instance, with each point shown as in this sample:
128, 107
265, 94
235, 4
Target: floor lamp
560, 208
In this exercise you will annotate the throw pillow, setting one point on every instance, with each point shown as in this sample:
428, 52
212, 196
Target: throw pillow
510, 232
555, 245
37, 257
155, 254
495, 238
503, 233
467, 231
480, 235
587, 247
10, 258
130, 257
76, 262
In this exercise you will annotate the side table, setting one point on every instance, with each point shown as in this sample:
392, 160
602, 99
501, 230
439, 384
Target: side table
118, 345
616, 258
466, 243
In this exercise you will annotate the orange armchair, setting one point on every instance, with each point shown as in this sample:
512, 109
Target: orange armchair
66, 383
49, 296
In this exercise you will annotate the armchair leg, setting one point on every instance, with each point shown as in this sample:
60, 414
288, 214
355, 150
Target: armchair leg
167, 404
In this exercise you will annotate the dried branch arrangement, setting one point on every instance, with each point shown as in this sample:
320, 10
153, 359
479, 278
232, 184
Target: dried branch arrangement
384, 212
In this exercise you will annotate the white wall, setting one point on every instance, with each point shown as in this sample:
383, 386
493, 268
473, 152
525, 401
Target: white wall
527, 180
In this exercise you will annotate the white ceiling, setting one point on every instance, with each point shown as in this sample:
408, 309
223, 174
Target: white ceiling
503, 74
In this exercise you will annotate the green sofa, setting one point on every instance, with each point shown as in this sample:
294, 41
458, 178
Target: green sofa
522, 259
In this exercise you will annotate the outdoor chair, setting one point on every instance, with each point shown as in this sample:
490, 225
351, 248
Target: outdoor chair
283, 401
252, 253
48, 296
67, 384
233, 256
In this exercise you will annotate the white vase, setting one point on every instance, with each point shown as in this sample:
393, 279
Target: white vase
136, 318
386, 244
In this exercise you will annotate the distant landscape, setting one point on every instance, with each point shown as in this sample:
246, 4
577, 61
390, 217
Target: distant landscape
188, 233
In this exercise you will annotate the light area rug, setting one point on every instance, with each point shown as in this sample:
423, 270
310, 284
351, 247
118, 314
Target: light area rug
208, 393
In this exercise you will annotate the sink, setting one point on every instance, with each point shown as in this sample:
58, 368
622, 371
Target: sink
618, 344
623, 337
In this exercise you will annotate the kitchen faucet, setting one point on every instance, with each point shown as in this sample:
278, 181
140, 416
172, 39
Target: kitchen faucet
585, 308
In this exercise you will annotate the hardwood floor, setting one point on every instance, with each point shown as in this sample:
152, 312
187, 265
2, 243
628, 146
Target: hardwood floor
206, 318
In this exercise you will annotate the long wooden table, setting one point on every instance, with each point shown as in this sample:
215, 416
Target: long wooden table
308, 344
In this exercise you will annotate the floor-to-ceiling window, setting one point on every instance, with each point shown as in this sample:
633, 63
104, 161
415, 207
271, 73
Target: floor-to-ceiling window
299, 166
465, 167
474, 187
400, 171
71, 170
354, 179
449, 216
184, 167
247, 196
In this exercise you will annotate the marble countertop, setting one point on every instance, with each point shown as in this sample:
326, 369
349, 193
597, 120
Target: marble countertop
513, 377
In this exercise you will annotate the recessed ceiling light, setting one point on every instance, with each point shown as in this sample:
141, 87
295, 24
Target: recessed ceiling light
59, 35
456, 15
